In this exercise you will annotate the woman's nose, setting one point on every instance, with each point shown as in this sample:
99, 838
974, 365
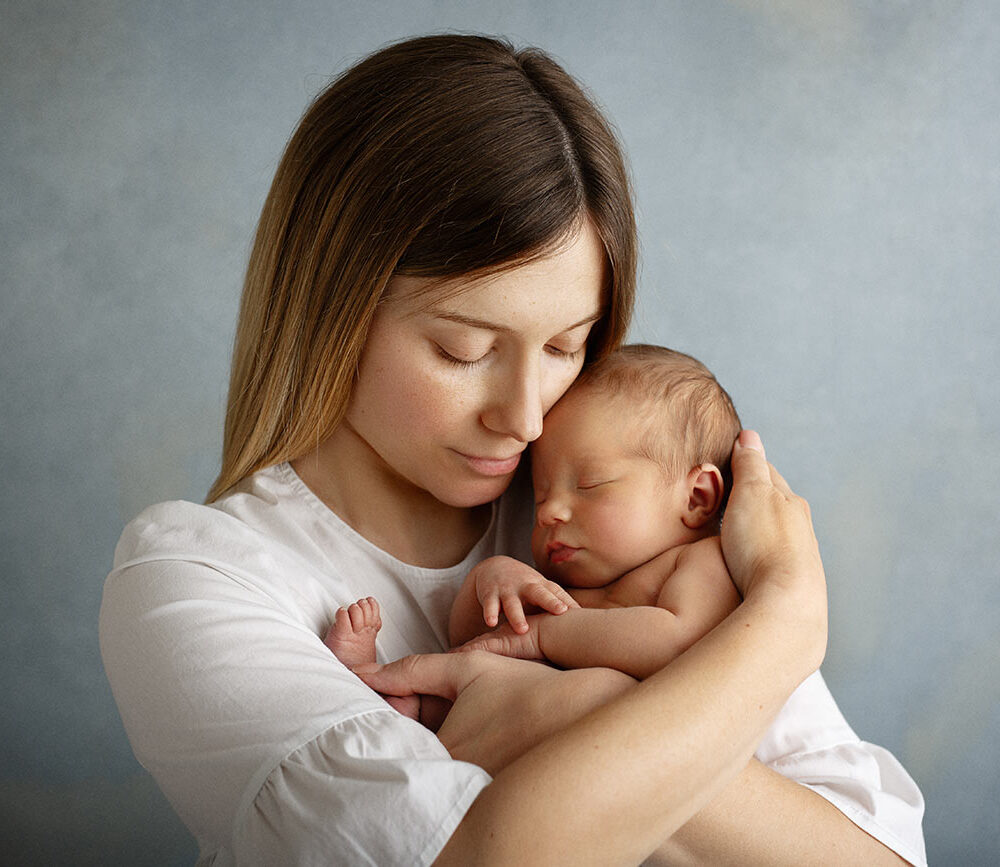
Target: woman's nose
516, 406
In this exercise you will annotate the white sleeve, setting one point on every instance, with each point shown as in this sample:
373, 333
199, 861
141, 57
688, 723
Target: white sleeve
810, 742
267, 747
338, 801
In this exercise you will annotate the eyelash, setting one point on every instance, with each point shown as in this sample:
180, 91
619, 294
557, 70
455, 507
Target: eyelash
562, 353
461, 362
588, 487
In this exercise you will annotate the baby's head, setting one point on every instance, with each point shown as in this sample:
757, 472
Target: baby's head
633, 460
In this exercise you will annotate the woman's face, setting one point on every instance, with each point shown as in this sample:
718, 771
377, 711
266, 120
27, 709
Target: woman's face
452, 386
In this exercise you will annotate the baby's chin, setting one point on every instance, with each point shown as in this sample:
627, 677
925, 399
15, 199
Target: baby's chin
577, 575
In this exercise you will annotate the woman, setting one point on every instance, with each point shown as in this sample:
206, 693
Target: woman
448, 239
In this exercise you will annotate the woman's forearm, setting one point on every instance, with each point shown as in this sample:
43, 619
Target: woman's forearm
764, 818
653, 757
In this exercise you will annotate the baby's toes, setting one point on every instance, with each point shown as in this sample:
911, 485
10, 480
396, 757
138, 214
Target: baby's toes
371, 615
341, 623
357, 616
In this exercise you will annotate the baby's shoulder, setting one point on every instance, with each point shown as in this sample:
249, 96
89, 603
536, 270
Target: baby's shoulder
642, 585
703, 556
709, 548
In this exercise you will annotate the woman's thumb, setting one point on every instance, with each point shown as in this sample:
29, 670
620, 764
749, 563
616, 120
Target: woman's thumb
749, 463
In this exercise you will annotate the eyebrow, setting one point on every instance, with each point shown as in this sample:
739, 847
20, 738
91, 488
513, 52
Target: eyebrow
486, 325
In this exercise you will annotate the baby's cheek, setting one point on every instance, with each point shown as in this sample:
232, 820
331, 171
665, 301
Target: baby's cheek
616, 512
537, 545
613, 525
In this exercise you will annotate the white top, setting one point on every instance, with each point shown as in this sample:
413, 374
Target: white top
272, 752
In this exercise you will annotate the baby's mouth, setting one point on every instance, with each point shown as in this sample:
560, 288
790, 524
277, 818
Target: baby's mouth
558, 553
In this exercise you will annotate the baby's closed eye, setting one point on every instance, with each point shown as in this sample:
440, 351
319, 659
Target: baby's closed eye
590, 484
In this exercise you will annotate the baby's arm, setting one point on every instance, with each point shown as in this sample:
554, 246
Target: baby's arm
638, 640
502, 582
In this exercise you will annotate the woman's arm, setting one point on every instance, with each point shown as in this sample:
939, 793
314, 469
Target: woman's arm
763, 818
658, 754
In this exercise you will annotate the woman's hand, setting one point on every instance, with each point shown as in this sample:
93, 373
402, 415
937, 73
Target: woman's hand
505, 640
501, 707
768, 540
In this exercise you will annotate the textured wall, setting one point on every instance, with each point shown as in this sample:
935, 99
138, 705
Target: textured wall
819, 201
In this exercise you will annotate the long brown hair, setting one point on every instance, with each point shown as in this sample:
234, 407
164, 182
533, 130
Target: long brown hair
434, 157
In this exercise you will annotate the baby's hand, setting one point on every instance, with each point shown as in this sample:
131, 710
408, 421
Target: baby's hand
504, 641
503, 582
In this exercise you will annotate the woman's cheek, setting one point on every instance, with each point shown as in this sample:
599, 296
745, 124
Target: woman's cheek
443, 395
560, 376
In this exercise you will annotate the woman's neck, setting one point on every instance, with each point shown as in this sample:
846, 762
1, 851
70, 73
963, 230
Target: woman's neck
389, 511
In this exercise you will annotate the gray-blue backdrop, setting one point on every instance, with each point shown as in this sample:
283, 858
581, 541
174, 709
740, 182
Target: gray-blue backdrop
818, 188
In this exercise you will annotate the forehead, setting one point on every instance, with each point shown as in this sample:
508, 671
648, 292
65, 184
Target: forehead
559, 289
589, 425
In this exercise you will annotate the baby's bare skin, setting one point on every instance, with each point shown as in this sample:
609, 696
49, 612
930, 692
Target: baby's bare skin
637, 624
352, 635
352, 640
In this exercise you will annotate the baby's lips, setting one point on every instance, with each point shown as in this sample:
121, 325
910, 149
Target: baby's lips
557, 552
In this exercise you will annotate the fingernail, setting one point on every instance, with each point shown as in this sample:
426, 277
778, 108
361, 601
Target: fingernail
750, 439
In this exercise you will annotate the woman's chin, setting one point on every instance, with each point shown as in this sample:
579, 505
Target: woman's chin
472, 494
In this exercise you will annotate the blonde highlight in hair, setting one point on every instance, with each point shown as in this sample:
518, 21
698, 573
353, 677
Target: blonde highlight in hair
435, 157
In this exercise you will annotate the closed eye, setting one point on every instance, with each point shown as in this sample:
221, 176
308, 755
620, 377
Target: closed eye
589, 486
567, 354
459, 362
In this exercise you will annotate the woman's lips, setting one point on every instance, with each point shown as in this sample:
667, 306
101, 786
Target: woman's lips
492, 466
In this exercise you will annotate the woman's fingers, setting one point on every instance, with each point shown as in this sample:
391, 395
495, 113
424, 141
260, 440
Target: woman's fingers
441, 674
780, 484
506, 641
767, 532
749, 463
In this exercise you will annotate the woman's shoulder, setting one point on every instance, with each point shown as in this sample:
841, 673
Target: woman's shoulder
171, 529
253, 547
259, 537
252, 513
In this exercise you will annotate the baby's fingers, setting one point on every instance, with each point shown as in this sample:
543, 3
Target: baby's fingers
549, 597
514, 612
491, 609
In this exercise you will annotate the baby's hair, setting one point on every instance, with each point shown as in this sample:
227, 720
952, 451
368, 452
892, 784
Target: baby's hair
685, 417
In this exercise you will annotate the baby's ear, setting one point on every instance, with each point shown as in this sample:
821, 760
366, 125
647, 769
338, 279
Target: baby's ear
705, 493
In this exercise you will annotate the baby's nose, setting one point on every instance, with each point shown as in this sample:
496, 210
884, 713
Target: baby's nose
552, 510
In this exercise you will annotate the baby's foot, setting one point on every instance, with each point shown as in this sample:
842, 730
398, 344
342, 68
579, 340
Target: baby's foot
352, 640
409, 705
352, 636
